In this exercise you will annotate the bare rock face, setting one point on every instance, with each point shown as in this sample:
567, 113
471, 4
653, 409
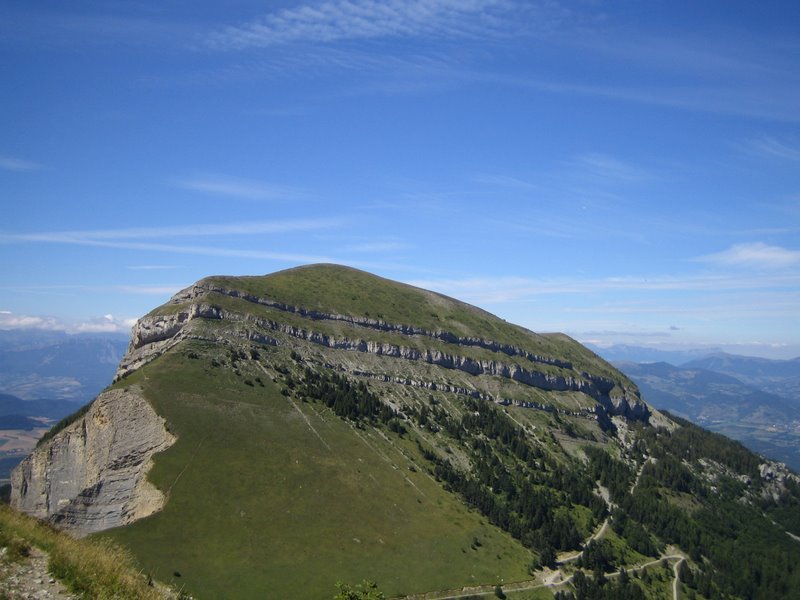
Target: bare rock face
92, 475
774, 479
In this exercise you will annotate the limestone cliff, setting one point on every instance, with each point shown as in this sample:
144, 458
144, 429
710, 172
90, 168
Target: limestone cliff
155, 334
92, 475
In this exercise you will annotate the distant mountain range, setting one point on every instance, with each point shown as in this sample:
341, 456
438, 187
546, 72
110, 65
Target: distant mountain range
45, 376
780, 377
21, 424
12, 407
750, 399
763, 421
643, 354
38, 364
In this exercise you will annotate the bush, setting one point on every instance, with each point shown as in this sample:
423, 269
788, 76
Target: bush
90, 568
367, 590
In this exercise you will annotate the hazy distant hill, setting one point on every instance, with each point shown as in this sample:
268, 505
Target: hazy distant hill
767, 423
21, 426
52, 409
9, 422
42, 364
780, 377
644, 354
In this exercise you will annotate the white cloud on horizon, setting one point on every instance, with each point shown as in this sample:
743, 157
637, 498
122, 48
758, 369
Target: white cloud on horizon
754, 255
105, 324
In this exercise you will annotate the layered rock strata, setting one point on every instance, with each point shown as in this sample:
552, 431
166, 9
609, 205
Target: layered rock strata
92, 475
153, 335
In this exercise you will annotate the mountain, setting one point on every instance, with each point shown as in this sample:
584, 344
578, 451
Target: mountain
781, 377
47, 364
18, 422
766, 423
270, 436
49, 409
47, 375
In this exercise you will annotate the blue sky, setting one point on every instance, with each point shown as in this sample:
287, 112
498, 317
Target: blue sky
625, 172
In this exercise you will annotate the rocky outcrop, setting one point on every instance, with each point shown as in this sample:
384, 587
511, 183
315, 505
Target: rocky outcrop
201, 289
92, 475
774, 479
151, 339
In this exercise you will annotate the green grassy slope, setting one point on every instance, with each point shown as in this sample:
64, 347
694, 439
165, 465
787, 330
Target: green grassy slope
259, 503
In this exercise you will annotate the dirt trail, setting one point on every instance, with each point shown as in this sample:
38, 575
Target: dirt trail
31, 579
639, 473
676, 582
601, 531
554, 580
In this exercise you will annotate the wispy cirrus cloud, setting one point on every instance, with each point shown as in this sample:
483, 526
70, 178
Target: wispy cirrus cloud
289, 257
245, 189
173, 231
152, 267
10, 163
757, 255
146, 289
505, 181
512, 289
606, 168
340, 20
773, 148
728, 98
132, 238
376, 247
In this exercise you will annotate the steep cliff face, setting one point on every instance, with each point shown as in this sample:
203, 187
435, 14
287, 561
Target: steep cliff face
92, 475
